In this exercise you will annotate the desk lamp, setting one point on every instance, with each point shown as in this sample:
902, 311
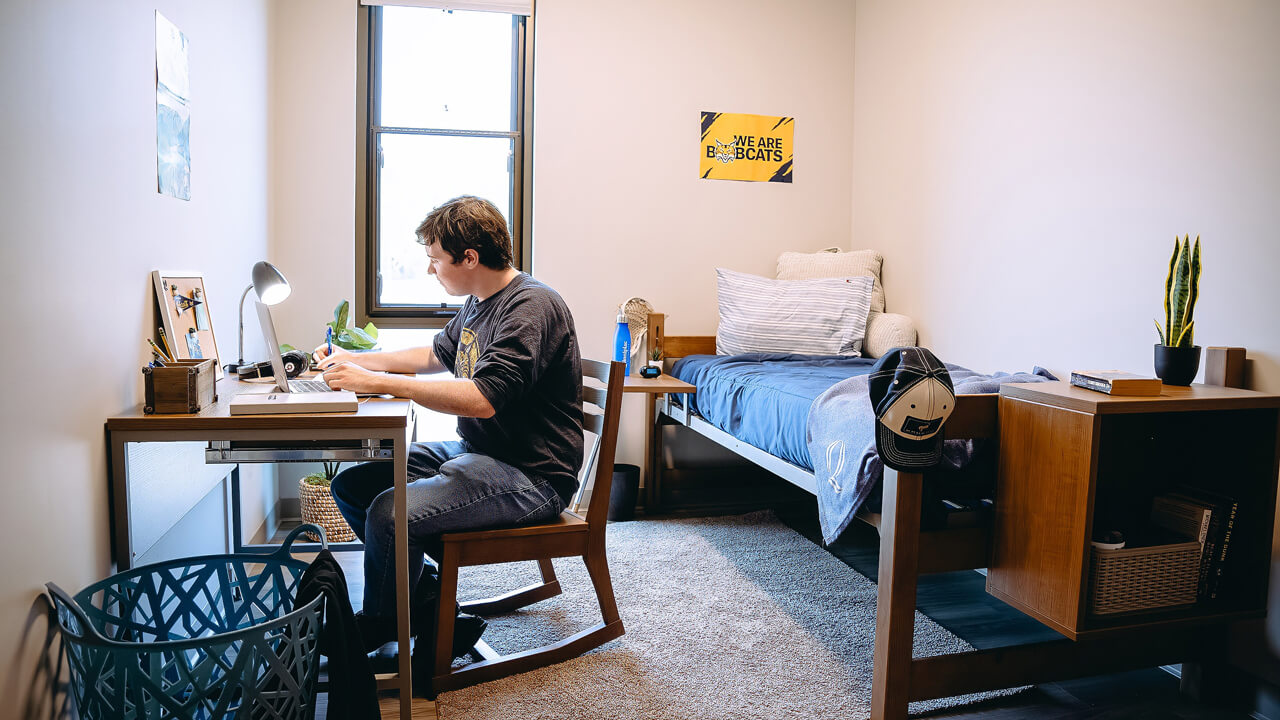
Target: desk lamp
270, 287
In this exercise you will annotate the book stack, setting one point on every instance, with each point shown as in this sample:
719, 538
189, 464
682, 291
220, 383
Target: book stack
1206, 516
1117, 382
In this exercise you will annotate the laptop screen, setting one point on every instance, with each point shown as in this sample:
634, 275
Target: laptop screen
273, 347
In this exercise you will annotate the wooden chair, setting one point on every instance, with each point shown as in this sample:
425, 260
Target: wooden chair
567, 536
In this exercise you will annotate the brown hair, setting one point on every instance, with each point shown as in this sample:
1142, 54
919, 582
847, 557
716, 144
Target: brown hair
469, 222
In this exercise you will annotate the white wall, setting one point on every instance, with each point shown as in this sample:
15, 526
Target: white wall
1024, 168
313, 162
83, 229
619, 209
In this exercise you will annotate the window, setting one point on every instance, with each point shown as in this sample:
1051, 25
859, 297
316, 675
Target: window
444, 118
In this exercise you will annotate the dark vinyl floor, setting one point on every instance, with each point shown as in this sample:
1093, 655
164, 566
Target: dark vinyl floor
959, 602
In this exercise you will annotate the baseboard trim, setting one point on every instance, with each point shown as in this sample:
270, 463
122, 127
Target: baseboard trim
270, 524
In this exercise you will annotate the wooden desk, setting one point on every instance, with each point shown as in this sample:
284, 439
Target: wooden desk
383, 424
653, 388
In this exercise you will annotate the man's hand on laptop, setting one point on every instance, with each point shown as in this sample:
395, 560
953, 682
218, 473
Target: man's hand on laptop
349, 376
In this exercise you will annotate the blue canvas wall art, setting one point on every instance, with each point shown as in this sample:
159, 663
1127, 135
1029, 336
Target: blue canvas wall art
173, 111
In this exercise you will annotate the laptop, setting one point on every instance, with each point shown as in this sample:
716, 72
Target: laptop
289, 396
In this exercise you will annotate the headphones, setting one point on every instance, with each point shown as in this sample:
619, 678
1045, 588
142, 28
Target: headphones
295, 362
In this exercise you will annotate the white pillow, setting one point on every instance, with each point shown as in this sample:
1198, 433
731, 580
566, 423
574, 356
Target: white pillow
886, 331
832, 263
812, 317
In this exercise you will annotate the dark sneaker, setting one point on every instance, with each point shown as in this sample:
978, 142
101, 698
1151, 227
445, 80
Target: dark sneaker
467, 630
375, 631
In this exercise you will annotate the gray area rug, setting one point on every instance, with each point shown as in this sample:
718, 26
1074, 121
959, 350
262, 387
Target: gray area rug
731, 617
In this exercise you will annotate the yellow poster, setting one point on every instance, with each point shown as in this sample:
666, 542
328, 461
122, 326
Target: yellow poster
737, 146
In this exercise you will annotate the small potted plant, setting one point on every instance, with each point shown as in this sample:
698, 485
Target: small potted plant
351, 337
316, 500
653, 368
1177, 356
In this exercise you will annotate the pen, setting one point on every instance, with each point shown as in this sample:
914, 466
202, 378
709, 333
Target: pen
328, 340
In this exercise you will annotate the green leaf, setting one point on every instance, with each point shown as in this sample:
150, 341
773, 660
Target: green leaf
371, 331
1159, 332
1180, 291
286, 347
340, 315
1185, 337
1193, 295
1168, 285
361, 339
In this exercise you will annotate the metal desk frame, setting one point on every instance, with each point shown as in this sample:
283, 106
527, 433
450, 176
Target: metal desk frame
383, 428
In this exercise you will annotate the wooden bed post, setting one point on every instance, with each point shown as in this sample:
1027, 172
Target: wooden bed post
896, 594
653, 338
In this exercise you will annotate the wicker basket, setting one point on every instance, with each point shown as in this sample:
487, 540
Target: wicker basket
318, 507
1143, 578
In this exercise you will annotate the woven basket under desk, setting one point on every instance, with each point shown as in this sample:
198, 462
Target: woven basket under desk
1143, 578
318, 507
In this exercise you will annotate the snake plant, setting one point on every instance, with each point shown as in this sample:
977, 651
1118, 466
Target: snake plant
1181, 288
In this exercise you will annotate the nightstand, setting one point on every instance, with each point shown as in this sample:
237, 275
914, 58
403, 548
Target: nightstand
654, 389
1073, 460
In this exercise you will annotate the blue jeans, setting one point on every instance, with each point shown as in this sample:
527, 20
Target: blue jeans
451, 489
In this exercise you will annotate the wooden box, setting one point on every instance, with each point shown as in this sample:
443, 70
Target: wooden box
181, 386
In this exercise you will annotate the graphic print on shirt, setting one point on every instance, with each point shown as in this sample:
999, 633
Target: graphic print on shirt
468, 352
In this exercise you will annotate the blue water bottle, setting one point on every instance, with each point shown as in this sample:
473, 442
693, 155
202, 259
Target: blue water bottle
622, 342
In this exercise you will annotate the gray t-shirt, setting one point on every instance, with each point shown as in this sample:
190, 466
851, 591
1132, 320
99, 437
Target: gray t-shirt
520, 348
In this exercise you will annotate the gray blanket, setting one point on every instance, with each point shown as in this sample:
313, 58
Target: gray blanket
842, 445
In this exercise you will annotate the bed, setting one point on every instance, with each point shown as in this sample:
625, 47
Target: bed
906, 549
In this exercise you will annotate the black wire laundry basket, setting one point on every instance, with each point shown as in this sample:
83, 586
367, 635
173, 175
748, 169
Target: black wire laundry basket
201, 638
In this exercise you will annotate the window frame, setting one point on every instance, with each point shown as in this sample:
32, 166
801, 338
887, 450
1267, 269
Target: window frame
521, 198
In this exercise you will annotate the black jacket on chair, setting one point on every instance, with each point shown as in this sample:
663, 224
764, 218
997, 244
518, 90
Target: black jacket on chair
353, 693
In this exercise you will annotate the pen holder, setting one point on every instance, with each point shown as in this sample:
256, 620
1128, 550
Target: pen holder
181, 386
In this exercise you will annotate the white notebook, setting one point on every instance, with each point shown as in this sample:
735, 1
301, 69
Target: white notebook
275, 402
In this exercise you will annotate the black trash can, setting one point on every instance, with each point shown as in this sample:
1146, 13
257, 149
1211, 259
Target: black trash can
622, 496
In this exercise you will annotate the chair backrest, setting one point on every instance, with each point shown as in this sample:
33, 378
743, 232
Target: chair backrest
602, 420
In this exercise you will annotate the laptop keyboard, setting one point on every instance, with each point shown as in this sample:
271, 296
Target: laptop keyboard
306, 386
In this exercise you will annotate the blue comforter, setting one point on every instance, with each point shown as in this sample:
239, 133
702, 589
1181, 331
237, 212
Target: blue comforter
763, 398
815, 413
841, 439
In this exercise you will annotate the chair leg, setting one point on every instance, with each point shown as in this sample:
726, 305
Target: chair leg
598, 567
447, 608
491, 667
525, 596
547, 569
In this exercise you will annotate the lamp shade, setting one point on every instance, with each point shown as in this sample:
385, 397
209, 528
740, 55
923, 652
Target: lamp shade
269, 284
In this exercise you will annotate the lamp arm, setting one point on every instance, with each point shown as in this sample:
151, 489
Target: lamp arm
243, 295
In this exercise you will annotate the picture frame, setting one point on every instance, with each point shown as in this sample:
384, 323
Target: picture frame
185, 316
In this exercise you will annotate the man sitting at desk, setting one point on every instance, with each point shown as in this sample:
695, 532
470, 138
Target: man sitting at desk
516, 390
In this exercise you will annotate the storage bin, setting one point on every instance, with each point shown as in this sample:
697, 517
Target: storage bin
181, 386
1143, 578
204, 638
318, 508
623, 492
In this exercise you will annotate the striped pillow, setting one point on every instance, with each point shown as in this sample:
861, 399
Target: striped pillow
825, 316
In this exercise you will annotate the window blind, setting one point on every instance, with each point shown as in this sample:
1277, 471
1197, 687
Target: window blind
511, 7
